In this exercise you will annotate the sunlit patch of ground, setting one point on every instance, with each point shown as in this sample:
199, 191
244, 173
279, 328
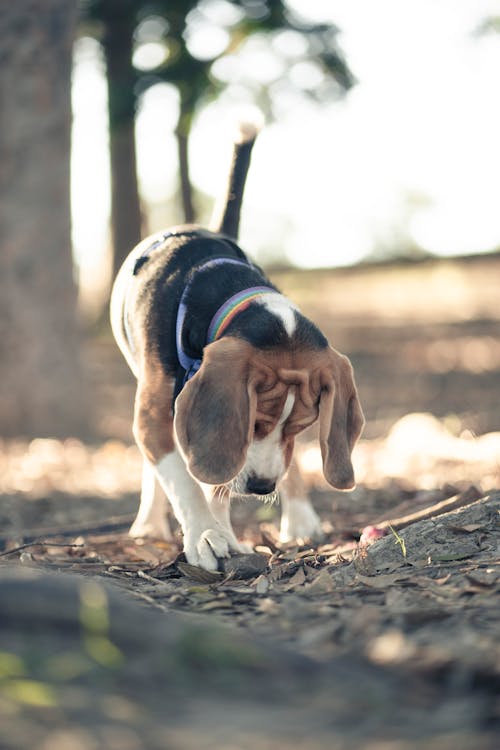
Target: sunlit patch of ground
420, 451
41, 466
48, 483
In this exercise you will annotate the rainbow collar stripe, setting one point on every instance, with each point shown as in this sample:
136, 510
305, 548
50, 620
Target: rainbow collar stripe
230, 309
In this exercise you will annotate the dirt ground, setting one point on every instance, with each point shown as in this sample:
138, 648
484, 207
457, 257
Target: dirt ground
362, 640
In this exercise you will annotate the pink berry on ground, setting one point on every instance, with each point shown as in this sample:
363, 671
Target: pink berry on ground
370, 534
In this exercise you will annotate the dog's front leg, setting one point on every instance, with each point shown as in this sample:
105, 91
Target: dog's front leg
219, 499
299, 520
205, 538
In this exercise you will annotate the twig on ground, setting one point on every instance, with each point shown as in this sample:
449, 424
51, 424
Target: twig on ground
444, 506
39, 543
106, 526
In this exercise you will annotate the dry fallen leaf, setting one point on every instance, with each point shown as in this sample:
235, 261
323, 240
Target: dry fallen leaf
199, 574
380, 581
321, 584
298, 579
466, 528
214, 604
262, 584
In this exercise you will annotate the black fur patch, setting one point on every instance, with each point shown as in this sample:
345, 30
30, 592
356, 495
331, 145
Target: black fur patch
171, 267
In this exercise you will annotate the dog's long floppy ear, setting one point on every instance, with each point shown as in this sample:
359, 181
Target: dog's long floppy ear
341, 421
215, 413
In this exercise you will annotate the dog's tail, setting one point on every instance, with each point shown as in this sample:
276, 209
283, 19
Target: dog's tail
226, 215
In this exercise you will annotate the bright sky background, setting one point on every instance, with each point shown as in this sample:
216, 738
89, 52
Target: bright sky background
413, 150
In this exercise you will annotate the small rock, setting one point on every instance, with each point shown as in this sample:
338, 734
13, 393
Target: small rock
244, 566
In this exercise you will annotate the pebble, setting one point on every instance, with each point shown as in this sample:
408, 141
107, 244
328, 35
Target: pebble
244, 566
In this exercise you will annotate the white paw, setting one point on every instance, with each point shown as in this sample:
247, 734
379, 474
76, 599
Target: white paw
300, 521
205, 547
151, 530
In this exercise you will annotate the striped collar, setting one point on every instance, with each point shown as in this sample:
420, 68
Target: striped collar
230, 309
222, 318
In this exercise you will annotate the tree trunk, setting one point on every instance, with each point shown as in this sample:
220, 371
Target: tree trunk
42, 387
125, 203
182, 134
186, 189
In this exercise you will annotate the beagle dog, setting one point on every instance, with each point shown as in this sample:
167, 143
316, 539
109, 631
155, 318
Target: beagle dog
228, 373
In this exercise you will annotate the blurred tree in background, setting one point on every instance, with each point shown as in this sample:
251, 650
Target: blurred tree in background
202, 48
199, 47
42, 388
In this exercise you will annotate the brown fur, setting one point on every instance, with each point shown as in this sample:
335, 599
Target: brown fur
153, 419
238, 394
341, 421
215, 413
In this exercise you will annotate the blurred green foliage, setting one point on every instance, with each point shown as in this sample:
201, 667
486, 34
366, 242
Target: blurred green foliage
122, 26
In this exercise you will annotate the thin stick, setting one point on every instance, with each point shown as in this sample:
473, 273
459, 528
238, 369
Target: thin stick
106, 526
39, 543
452, 503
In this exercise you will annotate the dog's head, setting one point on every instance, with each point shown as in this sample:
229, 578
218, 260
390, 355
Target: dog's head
237, 418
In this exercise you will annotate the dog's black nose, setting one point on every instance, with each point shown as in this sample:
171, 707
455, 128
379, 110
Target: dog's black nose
260, 486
